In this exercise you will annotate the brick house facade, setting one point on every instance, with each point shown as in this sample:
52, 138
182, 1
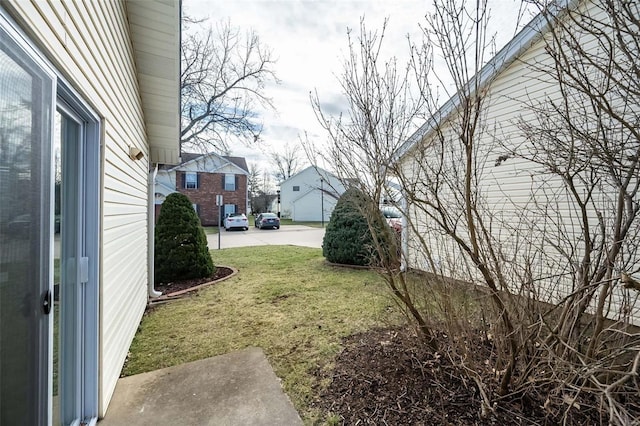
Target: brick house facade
201, 177
204, 196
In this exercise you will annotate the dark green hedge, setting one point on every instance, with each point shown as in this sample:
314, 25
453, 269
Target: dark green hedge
181, 250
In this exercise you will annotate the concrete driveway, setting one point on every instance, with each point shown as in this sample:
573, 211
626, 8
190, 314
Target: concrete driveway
297, 235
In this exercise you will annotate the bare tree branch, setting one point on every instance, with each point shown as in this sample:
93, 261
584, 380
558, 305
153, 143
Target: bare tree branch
287, 162
224, 75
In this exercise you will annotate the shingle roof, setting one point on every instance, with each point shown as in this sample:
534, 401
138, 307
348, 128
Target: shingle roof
238, 161
188, 156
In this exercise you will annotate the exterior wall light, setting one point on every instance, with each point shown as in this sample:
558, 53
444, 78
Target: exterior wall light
135, 154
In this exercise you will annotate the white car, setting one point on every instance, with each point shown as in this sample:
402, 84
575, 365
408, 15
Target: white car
236, 220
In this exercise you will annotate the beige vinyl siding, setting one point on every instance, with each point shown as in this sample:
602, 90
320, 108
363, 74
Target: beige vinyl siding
507, 189
89, 43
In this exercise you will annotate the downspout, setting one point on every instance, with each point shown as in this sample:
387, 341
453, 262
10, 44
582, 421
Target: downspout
151, 291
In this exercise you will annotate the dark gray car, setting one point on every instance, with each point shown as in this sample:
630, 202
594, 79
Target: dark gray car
267, 220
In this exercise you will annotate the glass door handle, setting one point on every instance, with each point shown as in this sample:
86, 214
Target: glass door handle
46, 302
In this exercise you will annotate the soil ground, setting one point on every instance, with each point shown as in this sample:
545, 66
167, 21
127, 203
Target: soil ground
220, 272
389, 377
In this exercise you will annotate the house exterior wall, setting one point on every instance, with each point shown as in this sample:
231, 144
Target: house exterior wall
211, 170
308, 207
512, 193
212, 184
305, 203
89, 43
166, 178
165, 184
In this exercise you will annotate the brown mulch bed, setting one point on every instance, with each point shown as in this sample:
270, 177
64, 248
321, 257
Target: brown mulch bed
389, 377
172, 287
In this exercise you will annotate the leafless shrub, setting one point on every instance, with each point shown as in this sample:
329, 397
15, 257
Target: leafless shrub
555, 259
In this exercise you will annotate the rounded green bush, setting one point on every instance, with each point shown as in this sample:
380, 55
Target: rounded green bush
348, 239
181, 250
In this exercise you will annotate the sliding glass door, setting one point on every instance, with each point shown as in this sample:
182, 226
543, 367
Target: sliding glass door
26, 101
49, 234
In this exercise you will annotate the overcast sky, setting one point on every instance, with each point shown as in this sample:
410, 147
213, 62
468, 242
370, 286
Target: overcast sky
309, 41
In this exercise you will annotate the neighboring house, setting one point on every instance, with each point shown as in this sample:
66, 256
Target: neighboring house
509, 188
89, 98
201, 177
309, 195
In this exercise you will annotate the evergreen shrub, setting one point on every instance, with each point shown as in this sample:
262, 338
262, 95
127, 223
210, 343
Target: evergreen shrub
181, 250
347, 239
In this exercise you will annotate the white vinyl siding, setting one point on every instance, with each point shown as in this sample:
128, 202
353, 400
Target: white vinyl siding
89, 43
305, 202
507, 188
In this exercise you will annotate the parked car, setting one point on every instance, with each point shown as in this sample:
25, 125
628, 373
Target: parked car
393, 217
267, 220
235, 221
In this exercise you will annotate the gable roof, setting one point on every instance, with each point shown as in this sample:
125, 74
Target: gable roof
238, 161
530, 34
190, 157
319, 171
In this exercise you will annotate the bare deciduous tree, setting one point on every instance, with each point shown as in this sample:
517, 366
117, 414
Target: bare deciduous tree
442, 176
586, 138
286, 163
260, 194
364, 141
554, 268
223, 80
253, 183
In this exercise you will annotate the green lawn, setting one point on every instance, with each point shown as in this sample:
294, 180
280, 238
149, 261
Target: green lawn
210, 229
285, 300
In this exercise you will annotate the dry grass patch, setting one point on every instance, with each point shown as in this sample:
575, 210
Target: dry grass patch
285, 300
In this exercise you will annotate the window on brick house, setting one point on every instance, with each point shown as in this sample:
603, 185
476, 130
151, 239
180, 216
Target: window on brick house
191, 180
229, 182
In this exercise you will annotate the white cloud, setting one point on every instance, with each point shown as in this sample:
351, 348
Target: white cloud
309, 40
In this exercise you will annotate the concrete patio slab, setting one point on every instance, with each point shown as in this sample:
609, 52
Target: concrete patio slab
239, 388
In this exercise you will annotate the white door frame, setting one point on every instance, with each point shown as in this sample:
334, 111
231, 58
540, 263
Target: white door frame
83, 320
